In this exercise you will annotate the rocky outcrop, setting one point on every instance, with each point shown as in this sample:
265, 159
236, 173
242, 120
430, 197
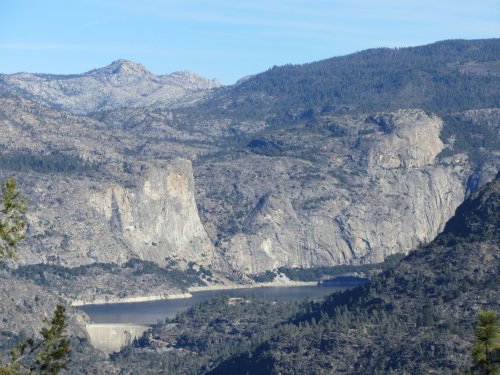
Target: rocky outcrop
120, 84
388, 194
158, 219
152, 215
400, 212
410, 139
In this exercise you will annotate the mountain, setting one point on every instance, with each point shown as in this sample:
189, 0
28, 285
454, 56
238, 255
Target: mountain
120, 84
442, 77
141, 184
255, 177
415, 318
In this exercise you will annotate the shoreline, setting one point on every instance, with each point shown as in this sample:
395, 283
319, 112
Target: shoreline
194, 289
270, 284
115, 300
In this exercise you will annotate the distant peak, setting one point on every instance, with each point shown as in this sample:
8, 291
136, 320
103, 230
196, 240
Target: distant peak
121, 67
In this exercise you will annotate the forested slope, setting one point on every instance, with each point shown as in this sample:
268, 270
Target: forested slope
415, 318
442, 77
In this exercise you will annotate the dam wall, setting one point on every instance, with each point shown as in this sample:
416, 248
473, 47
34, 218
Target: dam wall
112, 337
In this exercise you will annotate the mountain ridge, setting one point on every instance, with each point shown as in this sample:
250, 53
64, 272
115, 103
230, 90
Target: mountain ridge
318, 188
120, 84
379, 79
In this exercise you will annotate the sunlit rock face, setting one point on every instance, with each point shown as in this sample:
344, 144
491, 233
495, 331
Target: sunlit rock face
151, 215
158, 219
385, 195
120, 84
410, 140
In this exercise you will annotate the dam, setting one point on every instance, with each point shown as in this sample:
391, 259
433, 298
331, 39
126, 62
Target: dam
112, 337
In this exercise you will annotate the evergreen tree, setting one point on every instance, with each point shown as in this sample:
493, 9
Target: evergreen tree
487, 334
12, 224
46, 356
50, 354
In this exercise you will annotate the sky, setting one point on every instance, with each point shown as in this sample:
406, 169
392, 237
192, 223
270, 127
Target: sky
223, 39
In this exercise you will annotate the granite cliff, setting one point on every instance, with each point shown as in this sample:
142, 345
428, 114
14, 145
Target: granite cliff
378, 189
158, 220
152, 217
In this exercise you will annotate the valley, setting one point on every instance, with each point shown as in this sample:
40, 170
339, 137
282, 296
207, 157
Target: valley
380, 164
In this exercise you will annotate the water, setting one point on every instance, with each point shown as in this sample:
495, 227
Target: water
154, 311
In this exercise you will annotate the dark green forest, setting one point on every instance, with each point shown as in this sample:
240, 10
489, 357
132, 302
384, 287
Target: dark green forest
437, 77
61, 278
53, 162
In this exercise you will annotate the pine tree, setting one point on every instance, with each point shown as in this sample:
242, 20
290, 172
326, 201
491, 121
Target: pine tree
46, 356
50, 354
12, 224
487, 334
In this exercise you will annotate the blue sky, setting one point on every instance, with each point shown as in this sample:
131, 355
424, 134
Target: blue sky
223, 39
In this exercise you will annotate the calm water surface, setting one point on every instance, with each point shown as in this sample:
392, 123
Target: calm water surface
154, 311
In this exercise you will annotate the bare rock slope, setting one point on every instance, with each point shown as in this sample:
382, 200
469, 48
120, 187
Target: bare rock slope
120, 84
75, 221
377, 190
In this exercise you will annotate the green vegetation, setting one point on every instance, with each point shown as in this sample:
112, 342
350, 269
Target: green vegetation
179, 278
264, 277
68, 279
427, 77
51, 354
435, 77
476, 139
487, 334
320, 273
207, 334
12, 224
55, 161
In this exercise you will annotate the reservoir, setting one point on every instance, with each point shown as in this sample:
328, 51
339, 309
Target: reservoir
154, 311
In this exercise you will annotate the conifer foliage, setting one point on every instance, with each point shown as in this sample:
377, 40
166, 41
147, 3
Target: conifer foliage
12, 224
46, 356
487, 334
50, 354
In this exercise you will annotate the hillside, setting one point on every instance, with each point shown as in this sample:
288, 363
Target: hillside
415, 318
442, 77
116, 169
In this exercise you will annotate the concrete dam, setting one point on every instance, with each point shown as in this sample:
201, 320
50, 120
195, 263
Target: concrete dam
112, 337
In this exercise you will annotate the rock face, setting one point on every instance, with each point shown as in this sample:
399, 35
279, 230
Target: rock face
158, 219
387, 194
411, 139
120, 84
81, 221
